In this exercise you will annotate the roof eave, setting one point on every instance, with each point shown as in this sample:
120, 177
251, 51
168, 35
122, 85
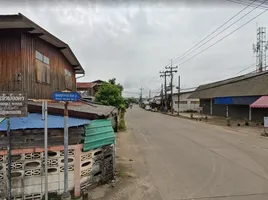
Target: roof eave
63, 46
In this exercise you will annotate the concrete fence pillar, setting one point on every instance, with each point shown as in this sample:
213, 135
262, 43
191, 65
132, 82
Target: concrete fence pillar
77, 170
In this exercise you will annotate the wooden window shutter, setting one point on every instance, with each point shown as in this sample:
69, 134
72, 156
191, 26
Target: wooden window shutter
43, 73
38, 71
70, 82
48, 73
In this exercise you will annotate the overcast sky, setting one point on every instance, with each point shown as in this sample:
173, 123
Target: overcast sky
133, 42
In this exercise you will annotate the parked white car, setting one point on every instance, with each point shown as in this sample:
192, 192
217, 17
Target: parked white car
147, 107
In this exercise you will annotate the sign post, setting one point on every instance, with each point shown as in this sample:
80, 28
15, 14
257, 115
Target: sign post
66, 97
12, 104
44, 117
9, 158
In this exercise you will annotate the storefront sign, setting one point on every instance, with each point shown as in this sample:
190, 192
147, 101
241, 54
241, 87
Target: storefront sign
13, 104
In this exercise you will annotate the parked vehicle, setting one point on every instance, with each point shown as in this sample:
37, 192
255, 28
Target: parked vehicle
147, 107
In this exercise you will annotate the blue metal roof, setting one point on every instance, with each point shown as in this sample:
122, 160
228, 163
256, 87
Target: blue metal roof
34, 120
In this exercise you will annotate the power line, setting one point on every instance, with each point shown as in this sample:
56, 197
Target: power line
221, 31
176, 59
245, 69
244, 3
223, 38
190, 50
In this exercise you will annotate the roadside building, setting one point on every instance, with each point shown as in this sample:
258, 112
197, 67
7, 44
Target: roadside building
36, 62
33, 60
236, 97
88, 90
90, 155
185, 103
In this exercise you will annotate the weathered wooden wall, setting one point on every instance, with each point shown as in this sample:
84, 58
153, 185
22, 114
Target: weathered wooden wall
58, 63
34, 138
10, 60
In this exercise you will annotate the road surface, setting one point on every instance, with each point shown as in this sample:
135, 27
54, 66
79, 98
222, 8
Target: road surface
185, 159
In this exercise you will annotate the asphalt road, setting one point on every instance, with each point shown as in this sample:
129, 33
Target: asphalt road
186, 159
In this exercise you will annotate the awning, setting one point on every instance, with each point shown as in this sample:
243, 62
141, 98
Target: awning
262, 102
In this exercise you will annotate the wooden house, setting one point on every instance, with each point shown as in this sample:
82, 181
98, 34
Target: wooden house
33, 60
88, 90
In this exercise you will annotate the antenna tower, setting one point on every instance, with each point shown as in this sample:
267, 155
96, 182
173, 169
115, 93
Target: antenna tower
260, 49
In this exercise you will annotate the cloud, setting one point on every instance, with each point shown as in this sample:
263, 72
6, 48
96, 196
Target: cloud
134, 41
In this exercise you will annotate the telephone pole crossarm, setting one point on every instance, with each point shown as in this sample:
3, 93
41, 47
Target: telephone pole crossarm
171, 70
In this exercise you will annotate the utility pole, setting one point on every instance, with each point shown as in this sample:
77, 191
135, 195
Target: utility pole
165, 74
162, 99
149, 94
179, 90
171, 71
141, 89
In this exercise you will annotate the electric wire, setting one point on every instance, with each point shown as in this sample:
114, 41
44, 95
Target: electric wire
213, 44
192, 49
209, 35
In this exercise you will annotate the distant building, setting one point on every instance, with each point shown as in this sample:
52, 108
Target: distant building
33, 60
185, 102
239, 97
88, 90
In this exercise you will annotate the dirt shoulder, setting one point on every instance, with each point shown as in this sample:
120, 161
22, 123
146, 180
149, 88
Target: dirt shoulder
132, 177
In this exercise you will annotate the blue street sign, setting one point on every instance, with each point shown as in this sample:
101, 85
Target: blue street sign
66, 96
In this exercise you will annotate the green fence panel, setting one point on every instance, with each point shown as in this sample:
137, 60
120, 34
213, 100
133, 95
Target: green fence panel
98, 133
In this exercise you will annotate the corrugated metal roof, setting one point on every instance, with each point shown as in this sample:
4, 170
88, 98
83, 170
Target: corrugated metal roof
253, 84
85, 85
98, 133
34, 121
84, 107
1, 119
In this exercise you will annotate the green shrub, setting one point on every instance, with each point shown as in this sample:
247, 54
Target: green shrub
246, 122
122, 125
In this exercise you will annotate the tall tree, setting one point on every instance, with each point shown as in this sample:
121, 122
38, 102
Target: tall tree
110, 94
113, 82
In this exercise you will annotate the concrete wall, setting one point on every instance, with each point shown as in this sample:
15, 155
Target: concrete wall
185, 103
86, 169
